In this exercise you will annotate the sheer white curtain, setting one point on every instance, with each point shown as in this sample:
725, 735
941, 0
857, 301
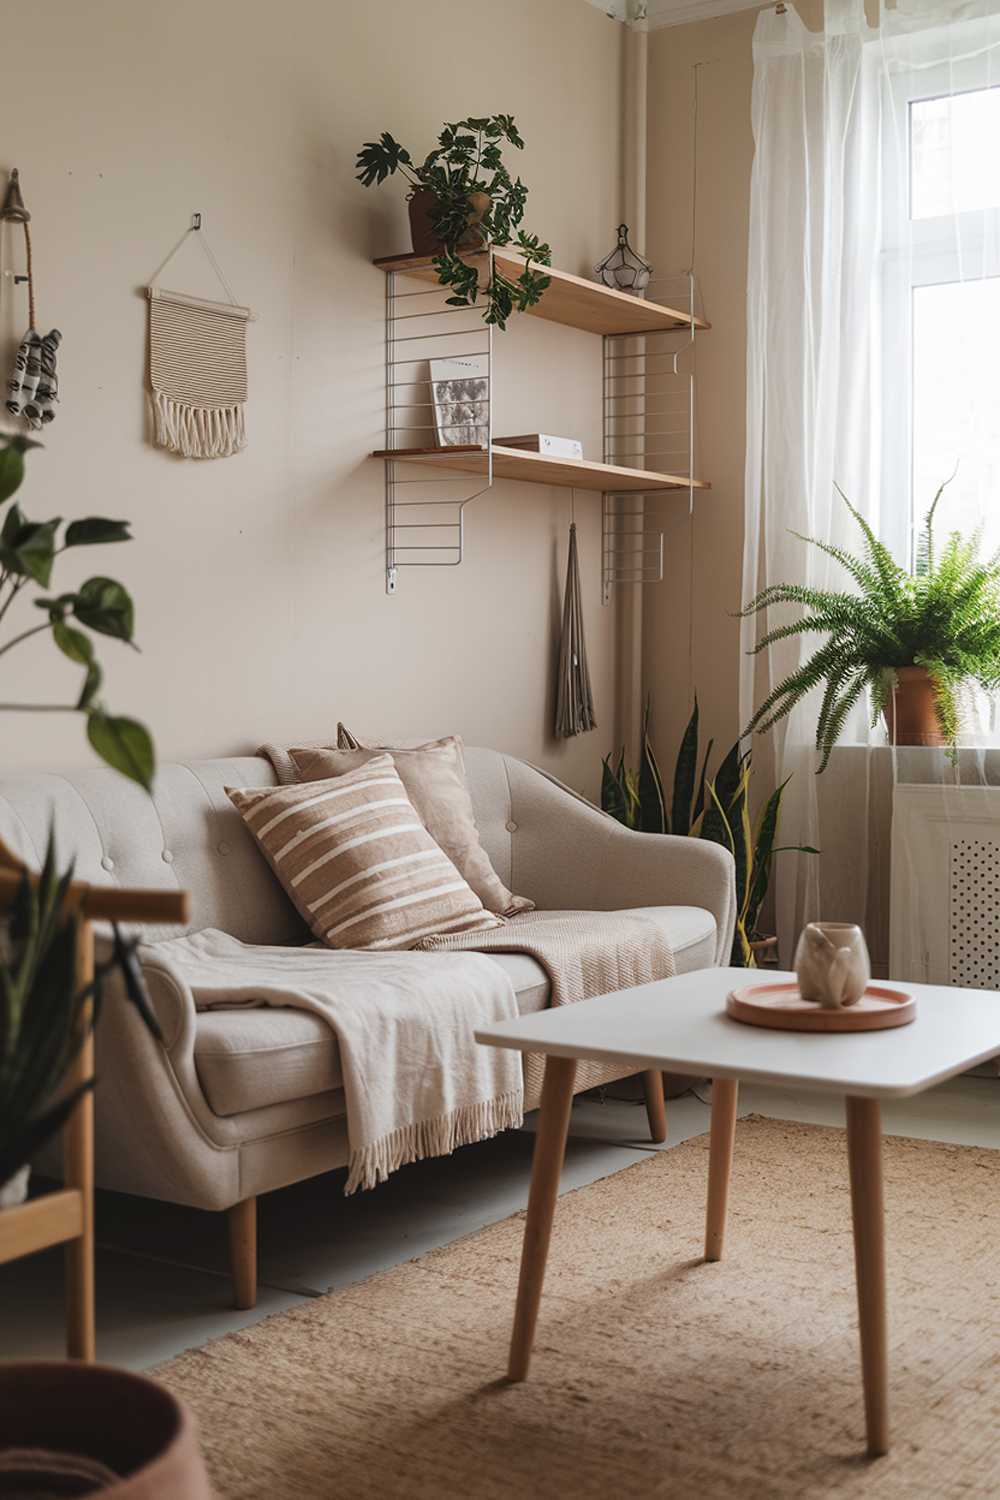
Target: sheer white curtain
871, 191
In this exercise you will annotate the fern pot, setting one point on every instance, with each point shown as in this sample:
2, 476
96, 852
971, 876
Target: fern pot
422, 204
74, 1429
912, 717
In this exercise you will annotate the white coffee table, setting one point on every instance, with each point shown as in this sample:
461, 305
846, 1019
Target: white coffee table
680, 1025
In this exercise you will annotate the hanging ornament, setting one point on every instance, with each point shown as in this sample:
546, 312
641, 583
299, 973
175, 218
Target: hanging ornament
32, 386
624, 269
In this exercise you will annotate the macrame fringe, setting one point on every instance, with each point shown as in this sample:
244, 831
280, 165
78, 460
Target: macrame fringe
199, 431
461, 1127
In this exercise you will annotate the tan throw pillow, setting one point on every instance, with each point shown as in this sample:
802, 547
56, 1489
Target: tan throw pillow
434, 778
356, 860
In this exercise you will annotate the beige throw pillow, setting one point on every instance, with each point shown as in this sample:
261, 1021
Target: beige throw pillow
434, 778
357, 861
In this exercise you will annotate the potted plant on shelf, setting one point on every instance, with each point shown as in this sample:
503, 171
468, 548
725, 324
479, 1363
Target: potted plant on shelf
908, 640
715, 808
462, 199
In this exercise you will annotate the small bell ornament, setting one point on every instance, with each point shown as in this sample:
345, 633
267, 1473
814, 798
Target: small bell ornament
623, 269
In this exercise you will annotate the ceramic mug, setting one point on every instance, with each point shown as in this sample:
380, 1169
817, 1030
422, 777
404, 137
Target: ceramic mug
832, 964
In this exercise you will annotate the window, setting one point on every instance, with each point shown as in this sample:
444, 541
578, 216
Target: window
941, 308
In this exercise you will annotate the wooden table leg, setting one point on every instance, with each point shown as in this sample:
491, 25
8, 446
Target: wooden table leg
550, 1148
720, 1163
656, 1105
864, 1155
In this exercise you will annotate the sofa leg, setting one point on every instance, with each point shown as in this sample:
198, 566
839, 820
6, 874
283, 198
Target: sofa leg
242, 1220
656, 1108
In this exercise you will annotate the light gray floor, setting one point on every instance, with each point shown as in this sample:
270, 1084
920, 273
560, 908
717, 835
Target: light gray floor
162, 1282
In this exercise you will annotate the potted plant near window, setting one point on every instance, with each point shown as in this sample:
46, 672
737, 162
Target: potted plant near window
463, 198
909, 640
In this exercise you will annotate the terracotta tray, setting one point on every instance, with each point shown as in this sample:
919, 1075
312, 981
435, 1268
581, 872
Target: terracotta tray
781, 1007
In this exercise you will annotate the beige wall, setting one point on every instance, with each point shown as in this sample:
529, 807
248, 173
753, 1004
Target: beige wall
258, 579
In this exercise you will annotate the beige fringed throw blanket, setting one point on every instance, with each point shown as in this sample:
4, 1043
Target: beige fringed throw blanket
198, 374
584, 953
416, 1083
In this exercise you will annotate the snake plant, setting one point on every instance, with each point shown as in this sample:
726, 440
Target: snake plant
709, 807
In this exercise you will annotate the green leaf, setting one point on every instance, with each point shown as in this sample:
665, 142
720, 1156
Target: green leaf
95, 530
124, 744
103, 605
684, 777
72, 643
652, 803
28, 548
11, 471
91, 686
613, 798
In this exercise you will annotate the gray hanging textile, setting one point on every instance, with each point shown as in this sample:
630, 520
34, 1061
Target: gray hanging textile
575, 700
32, 386
198, 367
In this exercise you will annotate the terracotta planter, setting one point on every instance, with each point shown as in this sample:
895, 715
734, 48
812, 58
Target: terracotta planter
912, 717
422, 203
60, 1420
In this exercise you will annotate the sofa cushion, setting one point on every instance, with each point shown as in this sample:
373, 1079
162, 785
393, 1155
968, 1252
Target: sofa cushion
247, 1059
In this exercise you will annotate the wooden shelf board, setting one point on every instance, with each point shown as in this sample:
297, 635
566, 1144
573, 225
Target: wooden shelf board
50, 1220
569, 299
541, 468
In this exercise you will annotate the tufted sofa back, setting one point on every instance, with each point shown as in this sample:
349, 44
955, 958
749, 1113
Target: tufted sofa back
189, 836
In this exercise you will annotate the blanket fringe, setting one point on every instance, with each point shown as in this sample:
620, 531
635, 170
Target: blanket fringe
373, 1163
199, 431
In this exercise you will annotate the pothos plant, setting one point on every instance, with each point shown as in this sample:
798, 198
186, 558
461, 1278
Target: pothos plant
44, 1016
713, 807
467, 161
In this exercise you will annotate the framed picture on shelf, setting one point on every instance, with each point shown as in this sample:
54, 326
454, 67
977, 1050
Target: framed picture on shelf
460, 393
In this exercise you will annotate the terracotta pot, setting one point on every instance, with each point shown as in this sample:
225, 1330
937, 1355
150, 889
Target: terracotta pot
89, 1419
422, 203
912, 717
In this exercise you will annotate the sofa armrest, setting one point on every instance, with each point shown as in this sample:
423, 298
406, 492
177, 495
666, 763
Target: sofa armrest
570, 856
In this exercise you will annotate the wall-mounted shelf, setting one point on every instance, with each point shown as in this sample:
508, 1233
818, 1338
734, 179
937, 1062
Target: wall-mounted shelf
439, 380
568, 299
540, 468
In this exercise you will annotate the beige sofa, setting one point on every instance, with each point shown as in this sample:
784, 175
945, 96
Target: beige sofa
236, 1103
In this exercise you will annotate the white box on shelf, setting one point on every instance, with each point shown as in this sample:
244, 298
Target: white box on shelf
543, 442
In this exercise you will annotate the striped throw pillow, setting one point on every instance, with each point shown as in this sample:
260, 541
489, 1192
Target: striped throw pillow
356, 860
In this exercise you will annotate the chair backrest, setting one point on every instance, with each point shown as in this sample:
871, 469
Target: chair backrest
189, 836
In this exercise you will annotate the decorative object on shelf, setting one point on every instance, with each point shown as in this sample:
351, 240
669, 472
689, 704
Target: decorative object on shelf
781, 1007
714, 808
460, 392
544, 442
908, 640
463, 199
33, 384
832, 963
198, 365
574, 695
623, 268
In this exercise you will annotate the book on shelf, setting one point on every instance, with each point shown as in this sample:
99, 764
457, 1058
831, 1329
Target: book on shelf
543, 442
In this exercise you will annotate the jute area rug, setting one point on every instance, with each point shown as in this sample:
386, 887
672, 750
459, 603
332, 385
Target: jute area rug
654, 1374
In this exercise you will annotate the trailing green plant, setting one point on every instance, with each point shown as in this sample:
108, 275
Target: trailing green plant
44, 1016
709, 807
468, 160
100, 606
943, 616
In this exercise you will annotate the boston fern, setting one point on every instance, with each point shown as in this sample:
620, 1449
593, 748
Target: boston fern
468, 160
944, 616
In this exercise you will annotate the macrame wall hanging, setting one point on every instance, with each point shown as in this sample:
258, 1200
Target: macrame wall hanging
574, 697
32, 386
197, 366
